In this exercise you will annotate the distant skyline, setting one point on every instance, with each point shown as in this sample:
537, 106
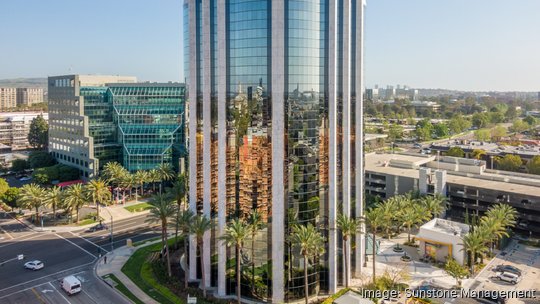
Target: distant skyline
481, 45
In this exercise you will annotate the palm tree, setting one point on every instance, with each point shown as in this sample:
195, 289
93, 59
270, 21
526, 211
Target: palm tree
389, 210
127, 182
311, 243
504, 213
178, 192
256, 222
494, 230
75, 198
113, 173
32, 196
412, 215
349, 227
141, 177
435, 205
154, 177
199, 226
97, 191
375, 219
235, 234
184, 219
161, 209
166, 173
474, 244
54, 198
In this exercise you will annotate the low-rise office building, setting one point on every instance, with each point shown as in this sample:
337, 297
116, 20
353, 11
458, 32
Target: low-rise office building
99, 119
441, 238
471, 188
14, 128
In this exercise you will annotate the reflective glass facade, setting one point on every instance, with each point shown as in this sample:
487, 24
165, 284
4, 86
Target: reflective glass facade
274, 85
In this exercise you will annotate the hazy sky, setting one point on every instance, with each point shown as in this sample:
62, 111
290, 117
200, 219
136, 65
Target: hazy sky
455, 44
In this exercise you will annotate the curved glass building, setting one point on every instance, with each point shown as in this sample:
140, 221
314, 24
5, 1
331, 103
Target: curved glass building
275, 127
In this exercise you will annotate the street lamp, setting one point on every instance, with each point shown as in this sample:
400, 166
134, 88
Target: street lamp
112, 240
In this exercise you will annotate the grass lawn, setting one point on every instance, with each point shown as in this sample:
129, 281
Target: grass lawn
86, 222
123, 289
138, 207
138, 270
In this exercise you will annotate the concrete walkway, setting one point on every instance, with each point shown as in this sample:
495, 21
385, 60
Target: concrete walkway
115, 261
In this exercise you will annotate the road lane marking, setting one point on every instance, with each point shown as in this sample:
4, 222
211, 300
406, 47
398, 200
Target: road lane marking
15, 241
40, 278
6, 232
89, 241
60, 292
38, 296
76, 245
86, 293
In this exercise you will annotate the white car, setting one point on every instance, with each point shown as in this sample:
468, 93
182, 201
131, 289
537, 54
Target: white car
509, 277
34, 265
25, 178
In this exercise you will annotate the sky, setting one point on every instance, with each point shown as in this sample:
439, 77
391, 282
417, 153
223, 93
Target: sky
453, 44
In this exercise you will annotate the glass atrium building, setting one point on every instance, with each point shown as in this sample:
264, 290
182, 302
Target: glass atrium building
275, 123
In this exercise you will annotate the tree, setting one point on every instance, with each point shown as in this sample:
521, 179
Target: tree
511, 113
183, 222
161, 209
412, 215
441, 130
519, 126
311, 243
257, 223
395, 132
533, 166
32, 196
474, 244
40, 159
199, 226
141, 177
349, 227
478, 153
482, 135
374, 218
509, 162
458, 124
424, 129
455, 152
11, 196
54, 198
235, 234
435, 204
178, 192
531, 121
4, 186
75, 198
498, 132
480, 120
38, 136
98, 191
19, 165
389, 209
166, 173
496, 117
455, 270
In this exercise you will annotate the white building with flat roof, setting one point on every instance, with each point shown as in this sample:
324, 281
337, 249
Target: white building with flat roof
440, 239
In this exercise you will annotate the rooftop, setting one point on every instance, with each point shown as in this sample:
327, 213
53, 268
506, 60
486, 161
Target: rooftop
446, 227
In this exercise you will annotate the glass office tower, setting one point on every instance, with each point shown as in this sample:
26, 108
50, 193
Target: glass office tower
275, 122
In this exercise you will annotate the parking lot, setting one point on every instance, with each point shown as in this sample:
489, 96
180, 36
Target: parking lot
525, 258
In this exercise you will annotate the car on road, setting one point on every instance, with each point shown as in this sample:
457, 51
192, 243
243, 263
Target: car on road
71, 285
508, 277
417, 145
34, 265
98, 227
25, 178
507, 268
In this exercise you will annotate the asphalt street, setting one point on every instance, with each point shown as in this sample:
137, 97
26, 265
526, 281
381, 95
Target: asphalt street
63, 254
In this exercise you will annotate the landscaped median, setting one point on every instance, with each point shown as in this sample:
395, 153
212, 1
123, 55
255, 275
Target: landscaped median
122, 288
138, 207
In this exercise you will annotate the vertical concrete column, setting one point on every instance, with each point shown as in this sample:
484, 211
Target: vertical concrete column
440, 186
346, 88
222, 143
207, 132
278, 150
332, 149
192, 106
359, 133
423, 175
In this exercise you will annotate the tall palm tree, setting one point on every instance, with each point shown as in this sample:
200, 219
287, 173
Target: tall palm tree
54, 198
141, 177
199, 226
98, 192
474, 244
154, 177
504, 213
166, 173
113, 173
375, 219
235, 234
435, 205
178, 192
256, 222
494, 228
32, 196
311, 243
161, 209
75, 198
349, 227
184, 218
412, 215
389, 210
127, 182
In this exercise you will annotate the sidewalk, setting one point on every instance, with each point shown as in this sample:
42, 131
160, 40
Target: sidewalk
115, 260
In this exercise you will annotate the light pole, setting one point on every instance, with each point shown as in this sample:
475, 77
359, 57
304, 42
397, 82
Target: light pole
112, 240
438, 159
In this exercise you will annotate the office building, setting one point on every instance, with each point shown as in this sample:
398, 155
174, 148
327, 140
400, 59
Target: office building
275, 122
99, 119
470, 187
14, 128
29, 96
8, 98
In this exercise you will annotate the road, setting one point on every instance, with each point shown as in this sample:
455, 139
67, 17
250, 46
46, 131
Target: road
63, 254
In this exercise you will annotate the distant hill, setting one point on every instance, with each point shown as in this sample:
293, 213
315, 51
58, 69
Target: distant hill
24, 83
